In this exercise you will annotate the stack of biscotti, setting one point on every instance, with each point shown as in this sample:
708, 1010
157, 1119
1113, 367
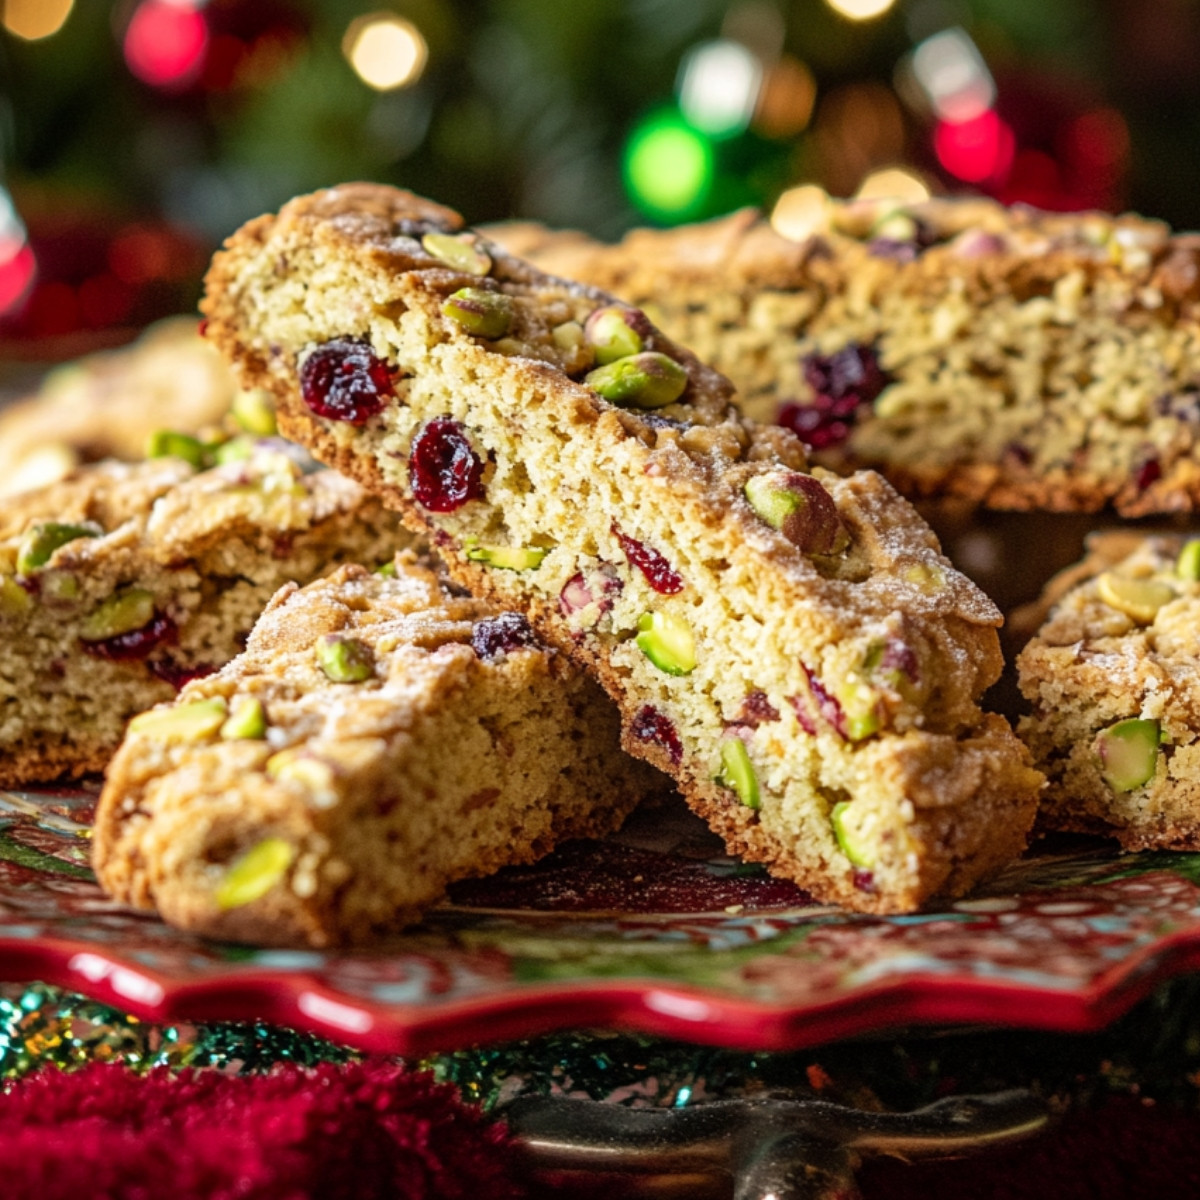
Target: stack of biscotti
1021, 359
1113, 682
378, 739
790, 646
122, 581
112, 404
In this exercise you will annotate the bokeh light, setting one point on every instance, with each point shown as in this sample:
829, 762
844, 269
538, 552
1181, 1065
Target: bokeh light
894, 183
36, 19
386, 51
977, 150
786, 100
800, 212
165, 42
668, 166
719, 83
17, 263
952, 74
860, 10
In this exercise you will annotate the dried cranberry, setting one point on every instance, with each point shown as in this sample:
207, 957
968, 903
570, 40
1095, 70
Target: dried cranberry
137, 643
595, 588
900, 656
1019, 453
864, 881
827, 706
501, 635
176, 674
444, 470
757, 710
842, 383
1149, 472
893, 248
344, 381
658, 572
649, 725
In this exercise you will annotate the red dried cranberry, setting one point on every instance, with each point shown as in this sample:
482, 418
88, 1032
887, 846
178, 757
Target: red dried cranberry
842, 383
757, 710
658, 572
344, 381
827, 706
1148, 473
501, 635
445, 472
893, 248
595, 588
900, 656
137, 643
864, 881
649, 725
176, 674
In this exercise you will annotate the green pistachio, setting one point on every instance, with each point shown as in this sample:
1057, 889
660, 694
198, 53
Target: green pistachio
1138, 599
647, 380
122, 612
237, 449
45, 537
510, 558
737, 771
247, 722
1187, 566
254, 411
191, 722
58, 587
166, 443
344, 659
387, 570
458, 251
849, 835
613, 332
800, 508
253, 874
15, 601
483, 313
1128, 753
668, 642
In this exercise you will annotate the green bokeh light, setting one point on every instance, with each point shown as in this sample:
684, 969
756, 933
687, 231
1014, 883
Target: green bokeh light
668, 166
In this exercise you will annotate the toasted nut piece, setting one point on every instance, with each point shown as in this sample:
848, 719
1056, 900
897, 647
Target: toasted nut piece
483, 313
15, 601
45, 537
1139, 599
668, 642
255, 873
191, 722
247, 722
510, 558
122, 612
344, 659
737, 771
459, 251
1187, 566
254, 412
929, 579
800, 508
1128, 753
848, 830
166, 443
648, 380
58, 587
860, 704
237, 449
615, 332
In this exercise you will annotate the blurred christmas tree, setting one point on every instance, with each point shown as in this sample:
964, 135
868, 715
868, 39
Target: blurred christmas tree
136, 133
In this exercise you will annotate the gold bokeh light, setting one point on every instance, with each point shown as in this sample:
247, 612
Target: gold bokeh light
893, 183
36, 19
386, 51
860, 10
801, 211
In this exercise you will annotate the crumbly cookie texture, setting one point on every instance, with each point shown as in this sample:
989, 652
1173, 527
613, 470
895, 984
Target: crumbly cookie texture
378, 739
122, 581
1021, 359
791, 647
1113, 681
110, 404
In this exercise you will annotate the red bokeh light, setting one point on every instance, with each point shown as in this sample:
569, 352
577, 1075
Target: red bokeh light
165, 42
977, 150
17, 269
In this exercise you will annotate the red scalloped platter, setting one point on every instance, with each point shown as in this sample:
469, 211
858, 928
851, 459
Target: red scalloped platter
654, 930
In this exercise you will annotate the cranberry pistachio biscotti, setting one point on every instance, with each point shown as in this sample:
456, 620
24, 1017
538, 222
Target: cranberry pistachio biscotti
378, 739
122, 580
791, 647
1023, 359
1113, 677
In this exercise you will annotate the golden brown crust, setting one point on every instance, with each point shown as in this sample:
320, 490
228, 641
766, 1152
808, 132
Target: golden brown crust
570, 478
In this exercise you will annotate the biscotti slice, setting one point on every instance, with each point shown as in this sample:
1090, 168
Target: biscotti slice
791, 647
1113, 677
111, 405
1022, 359
378, 739
122, 581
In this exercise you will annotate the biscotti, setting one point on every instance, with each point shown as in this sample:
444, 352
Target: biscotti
791, 647
112, 403
1016, 358
378, 739
123, 580
1113, 677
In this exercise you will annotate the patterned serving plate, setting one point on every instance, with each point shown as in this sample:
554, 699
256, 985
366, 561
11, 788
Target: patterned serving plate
654, 930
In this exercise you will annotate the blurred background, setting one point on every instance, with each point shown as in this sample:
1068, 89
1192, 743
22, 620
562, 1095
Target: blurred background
136, 134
